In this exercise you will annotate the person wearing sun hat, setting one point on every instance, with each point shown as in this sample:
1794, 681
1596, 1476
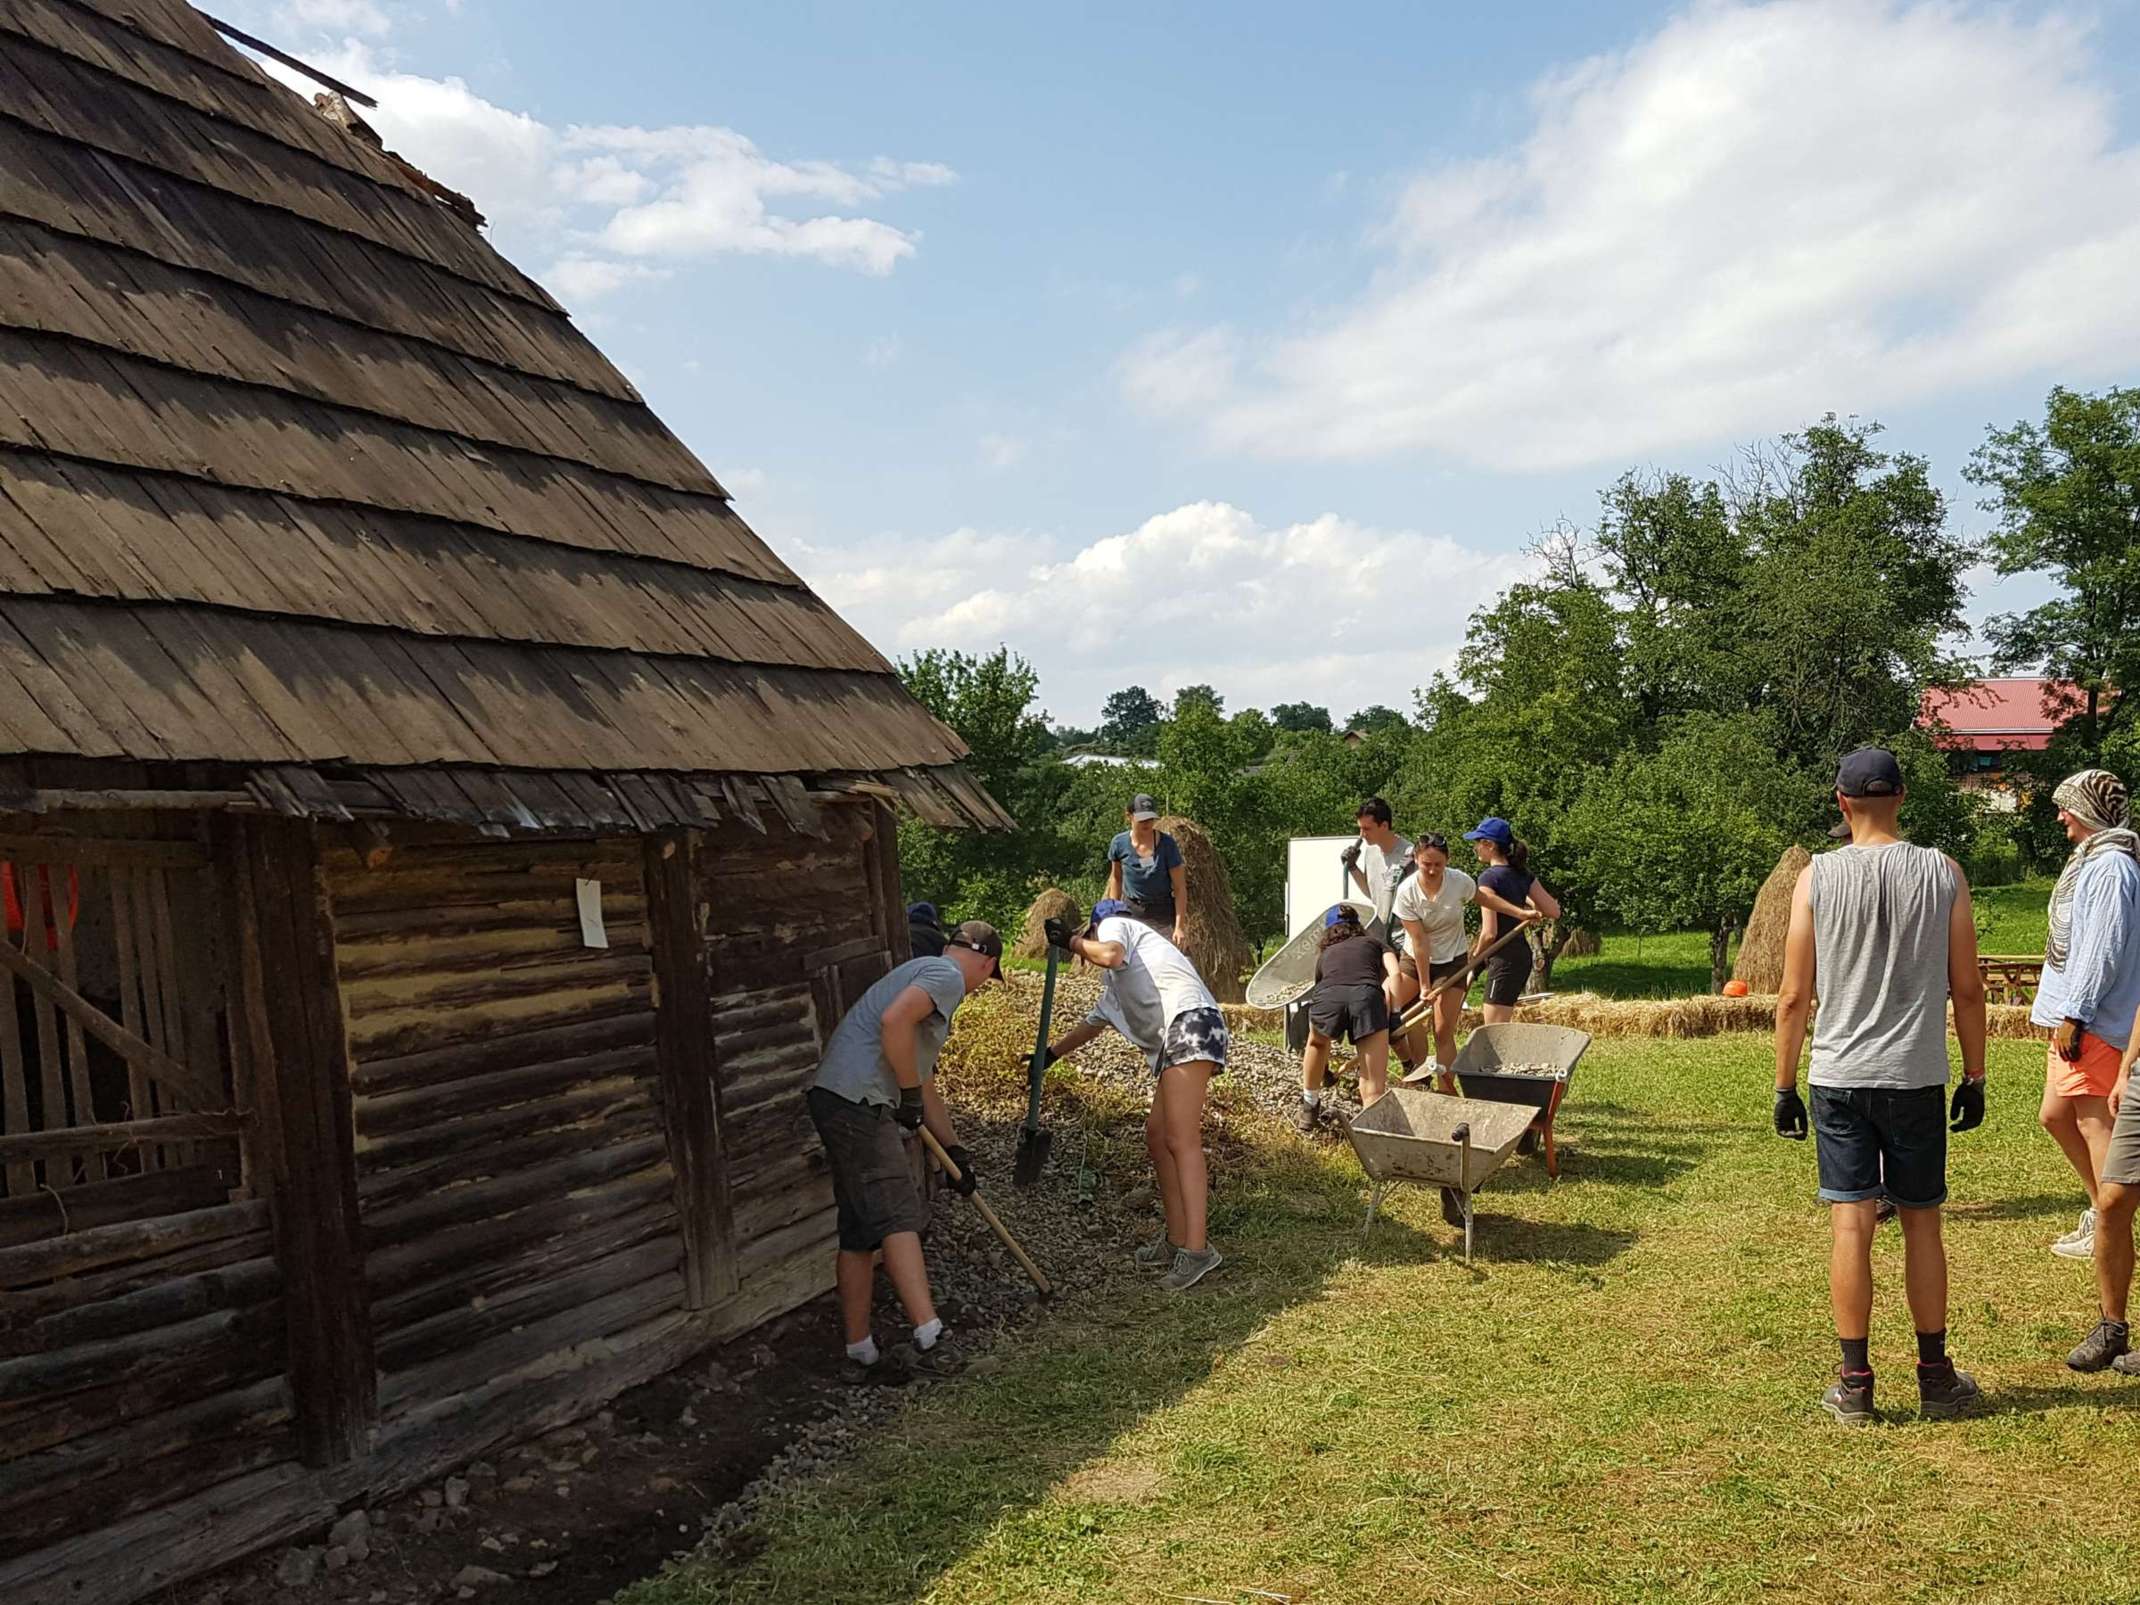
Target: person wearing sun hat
1145, 870
2090, 985
1153, 996
875, 1084
1887, 930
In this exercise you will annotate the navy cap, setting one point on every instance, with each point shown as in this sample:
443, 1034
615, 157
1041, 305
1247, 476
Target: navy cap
1492, 829
921, 913
1869, 772
1107, 908
1142, 806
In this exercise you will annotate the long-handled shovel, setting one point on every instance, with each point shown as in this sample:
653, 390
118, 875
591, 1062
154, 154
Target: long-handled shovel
951, 1170
1424, 1008
1033, 1143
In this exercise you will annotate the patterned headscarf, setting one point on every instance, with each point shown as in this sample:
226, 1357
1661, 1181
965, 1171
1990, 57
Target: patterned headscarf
2099, 800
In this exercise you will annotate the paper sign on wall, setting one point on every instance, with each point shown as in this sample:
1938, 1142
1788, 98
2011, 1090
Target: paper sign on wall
593, 933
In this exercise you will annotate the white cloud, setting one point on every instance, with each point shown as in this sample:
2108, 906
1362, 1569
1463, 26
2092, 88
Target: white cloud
1003, 451
1329, 609
346, 17
603, 197
576, 280
1758, 213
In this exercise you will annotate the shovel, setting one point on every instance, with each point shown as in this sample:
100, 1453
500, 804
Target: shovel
1423, 1009
1033, 1143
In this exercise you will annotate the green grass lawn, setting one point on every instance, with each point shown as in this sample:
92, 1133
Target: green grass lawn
2013, 919
1674, 965
1616, 1403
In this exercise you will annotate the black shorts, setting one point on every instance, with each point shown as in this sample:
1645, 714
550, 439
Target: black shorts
872, 1181
1877, 1141
1508, 972
1352, 1012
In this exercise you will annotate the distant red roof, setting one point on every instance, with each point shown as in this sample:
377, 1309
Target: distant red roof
1998, 715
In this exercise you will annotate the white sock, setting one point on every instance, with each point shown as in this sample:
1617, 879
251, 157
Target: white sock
927, 1333
864, 1352
1314, 1100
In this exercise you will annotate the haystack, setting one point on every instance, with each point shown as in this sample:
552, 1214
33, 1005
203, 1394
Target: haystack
1212, 932
1583, 945
1760, 963
1052, 904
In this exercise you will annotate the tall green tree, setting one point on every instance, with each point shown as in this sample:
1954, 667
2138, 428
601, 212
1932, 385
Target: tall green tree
1198, 696
989, 701
1300, 716
2066, 492
1129, 720
1376, 719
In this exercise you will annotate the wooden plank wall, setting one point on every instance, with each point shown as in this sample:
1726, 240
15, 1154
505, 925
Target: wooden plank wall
514, 1187
799, 930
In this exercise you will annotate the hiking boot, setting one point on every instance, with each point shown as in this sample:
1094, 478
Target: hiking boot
1944, 1393
1452, 1206
2102, 1348
2126, 1365
1306, 1115
1850, 1400
2080, 1242
940, 1359
1189, 1269
1154, 1256
885, 1373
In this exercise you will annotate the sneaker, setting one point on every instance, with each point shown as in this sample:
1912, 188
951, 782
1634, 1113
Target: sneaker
940, 1359
2102, 1348
2126, 1365
885, 1373
2080, 1242
1305, 1116
1944, 1393
1452, 1206
1155, 1255
1189, 1269
1850, 1400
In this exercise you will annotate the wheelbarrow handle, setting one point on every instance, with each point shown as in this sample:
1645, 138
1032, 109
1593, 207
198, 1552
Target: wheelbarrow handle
945, 1163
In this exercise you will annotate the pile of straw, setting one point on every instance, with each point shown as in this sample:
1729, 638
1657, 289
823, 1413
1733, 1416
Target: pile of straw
1052, 904
1211, 934
1582, 945
1760, 963
1703, 1016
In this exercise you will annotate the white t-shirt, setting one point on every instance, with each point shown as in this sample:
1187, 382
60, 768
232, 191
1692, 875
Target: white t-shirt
1382, 869
1155, 985
1442, 914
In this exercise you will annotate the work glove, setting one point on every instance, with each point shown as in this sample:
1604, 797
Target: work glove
1048, 1056
966, 1183
1791, 1119
1351, 856
1968, 1106
908, 1114
2067, 1040
1058, 932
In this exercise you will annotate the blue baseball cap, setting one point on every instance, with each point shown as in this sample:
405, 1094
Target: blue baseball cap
1107, 908
1336, 916
1492, 829
921, 913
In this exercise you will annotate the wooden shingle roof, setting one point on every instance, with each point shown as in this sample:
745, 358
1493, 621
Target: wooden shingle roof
301, 480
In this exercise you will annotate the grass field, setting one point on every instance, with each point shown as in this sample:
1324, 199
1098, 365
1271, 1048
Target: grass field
2013, 919
1616, 1403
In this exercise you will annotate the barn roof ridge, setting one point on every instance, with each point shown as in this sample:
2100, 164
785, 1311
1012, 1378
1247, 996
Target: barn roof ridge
298, 481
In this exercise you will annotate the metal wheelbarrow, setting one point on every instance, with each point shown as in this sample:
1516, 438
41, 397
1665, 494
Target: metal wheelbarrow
1287, 977
1524, 1065
1412, 1134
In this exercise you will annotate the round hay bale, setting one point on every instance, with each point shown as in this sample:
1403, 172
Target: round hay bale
1583, 945
1211, 935
1052, 904
1760, 962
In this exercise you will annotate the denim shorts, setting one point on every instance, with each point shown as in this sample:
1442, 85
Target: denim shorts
872, 1180
1875, 1142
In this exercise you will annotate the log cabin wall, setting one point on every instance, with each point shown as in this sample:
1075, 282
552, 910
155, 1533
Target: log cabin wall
516, 1195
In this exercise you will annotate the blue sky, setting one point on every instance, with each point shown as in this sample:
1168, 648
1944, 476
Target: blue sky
1251, 344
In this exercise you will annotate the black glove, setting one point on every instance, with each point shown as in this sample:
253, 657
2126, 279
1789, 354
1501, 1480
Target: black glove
2066, 1040
1968, 1106
908, 1114
1352, 856
967, 1181
1048, 1056
1790, 1114
1058, 932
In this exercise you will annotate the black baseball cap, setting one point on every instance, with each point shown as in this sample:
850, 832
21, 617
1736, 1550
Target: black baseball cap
981, 937
1142, 806
1869, 772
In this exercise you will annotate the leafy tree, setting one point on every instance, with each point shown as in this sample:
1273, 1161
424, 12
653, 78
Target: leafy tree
1377, 720
989, 702
1127, 715
1198, 696
1300, 716
1070, 737
1685, 833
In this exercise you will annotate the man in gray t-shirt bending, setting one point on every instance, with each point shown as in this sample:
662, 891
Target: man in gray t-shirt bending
1882, 931
875, 1084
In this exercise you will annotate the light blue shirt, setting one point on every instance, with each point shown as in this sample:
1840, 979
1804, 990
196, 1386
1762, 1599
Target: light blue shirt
2100, 985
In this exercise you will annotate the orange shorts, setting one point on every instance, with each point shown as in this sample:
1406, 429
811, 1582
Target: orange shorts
2092, 1076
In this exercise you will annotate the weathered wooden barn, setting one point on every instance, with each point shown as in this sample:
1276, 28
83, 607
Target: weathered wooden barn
435, 833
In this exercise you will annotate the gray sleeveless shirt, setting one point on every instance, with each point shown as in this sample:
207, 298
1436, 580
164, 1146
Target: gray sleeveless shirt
1880, 966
